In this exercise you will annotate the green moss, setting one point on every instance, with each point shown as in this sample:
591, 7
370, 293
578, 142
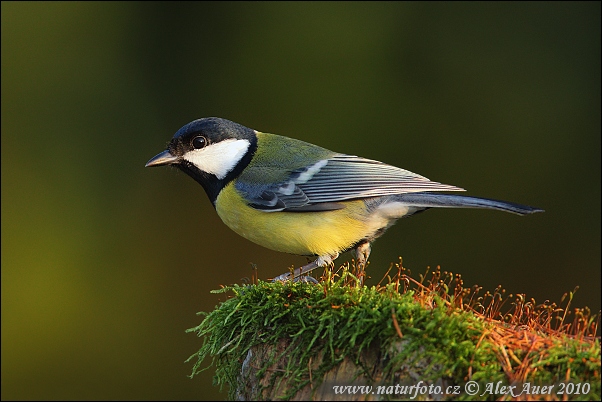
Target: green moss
333, 321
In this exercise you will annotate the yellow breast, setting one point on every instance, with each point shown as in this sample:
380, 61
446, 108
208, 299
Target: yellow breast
302, 233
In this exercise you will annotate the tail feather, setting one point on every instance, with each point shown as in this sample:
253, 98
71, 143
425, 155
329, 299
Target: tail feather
432, 200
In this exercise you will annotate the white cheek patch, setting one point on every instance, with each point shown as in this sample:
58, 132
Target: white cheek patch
220, 158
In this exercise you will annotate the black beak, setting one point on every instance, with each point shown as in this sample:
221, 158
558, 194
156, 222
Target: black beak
164, 158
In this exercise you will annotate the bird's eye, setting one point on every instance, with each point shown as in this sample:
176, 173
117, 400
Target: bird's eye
199, 142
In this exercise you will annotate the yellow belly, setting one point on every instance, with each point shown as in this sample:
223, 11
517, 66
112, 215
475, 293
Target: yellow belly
303, 233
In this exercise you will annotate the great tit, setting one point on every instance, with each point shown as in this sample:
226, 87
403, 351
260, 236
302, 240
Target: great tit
299, 198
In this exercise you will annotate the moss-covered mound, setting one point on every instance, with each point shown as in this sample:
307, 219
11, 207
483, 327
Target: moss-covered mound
302, 341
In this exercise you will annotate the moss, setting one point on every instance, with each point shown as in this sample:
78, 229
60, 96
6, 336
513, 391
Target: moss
290, 336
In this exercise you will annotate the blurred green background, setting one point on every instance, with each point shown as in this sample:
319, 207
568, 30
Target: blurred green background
105, 263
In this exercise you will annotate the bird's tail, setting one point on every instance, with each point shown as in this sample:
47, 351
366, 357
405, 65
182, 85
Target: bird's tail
432, 200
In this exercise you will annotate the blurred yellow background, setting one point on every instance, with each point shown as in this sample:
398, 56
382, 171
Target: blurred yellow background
105, 263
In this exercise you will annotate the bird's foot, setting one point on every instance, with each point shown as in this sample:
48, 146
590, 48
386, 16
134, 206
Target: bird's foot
362, 252
299, 274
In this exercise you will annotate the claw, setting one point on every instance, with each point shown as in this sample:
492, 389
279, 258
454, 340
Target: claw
306, 279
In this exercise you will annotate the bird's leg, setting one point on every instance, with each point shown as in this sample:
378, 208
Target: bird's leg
362, 252
321, 261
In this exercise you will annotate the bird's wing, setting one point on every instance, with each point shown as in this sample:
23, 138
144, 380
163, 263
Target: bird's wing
324, 184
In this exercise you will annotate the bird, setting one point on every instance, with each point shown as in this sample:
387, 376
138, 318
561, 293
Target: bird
299, 198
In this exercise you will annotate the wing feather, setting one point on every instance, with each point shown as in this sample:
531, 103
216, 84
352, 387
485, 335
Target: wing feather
329, 181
